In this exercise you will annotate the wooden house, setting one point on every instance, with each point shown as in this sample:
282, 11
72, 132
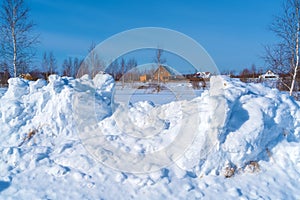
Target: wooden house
143, 78
165, 73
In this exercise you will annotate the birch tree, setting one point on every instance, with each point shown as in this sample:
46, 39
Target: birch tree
17, 37
284, 56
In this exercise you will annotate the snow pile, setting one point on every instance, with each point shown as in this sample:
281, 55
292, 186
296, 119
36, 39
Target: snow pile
257, 119
37, 105
54, 135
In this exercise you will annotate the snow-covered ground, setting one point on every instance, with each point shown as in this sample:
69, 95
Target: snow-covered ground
172, 91
77, 139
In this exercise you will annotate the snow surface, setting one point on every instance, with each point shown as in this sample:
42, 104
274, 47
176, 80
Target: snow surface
86, 145
2, 91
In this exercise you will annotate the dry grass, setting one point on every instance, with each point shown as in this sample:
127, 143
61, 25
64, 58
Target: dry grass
27, 77
229, 172
252, 167
29, 136
31, 133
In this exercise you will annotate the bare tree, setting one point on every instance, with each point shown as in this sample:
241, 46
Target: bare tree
52, 63
131, 63
45, 64
245, 75
92, 64
16, 30
49, 65
76, 66
123, 71
253, 71
159, 61
284, 57
71, 67
113, 69
67, 66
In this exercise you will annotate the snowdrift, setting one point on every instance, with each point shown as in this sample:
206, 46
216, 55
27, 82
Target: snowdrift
49, 147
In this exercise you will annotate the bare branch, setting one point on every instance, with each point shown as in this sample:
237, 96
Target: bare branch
17, 37
284, 57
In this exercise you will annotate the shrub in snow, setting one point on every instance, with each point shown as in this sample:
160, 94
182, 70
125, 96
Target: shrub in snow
229, 170
252, 167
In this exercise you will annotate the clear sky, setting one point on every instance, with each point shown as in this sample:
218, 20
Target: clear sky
232, 31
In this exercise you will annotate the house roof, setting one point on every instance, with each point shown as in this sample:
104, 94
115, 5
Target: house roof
171, 71
203, 74
269, 74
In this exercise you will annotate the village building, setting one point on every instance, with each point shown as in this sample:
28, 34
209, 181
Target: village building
205, 75
269, 75
165, 73
143, 78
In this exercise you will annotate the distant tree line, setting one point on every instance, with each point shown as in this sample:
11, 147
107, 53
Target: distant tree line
120, 68
250, 75
18, 43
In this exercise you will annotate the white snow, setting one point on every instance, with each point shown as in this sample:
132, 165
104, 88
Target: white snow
87, 145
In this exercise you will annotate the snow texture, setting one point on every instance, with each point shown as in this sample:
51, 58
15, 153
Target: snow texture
185, 149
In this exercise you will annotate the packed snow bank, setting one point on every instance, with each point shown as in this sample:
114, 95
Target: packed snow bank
256, 120
54, 135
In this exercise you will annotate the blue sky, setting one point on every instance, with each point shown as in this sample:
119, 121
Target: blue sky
232, 31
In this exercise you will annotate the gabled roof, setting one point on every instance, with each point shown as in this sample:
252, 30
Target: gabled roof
269, 74
171, 71
203, 74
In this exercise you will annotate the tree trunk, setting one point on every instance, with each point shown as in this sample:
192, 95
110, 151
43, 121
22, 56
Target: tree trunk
15, 52
297, 53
